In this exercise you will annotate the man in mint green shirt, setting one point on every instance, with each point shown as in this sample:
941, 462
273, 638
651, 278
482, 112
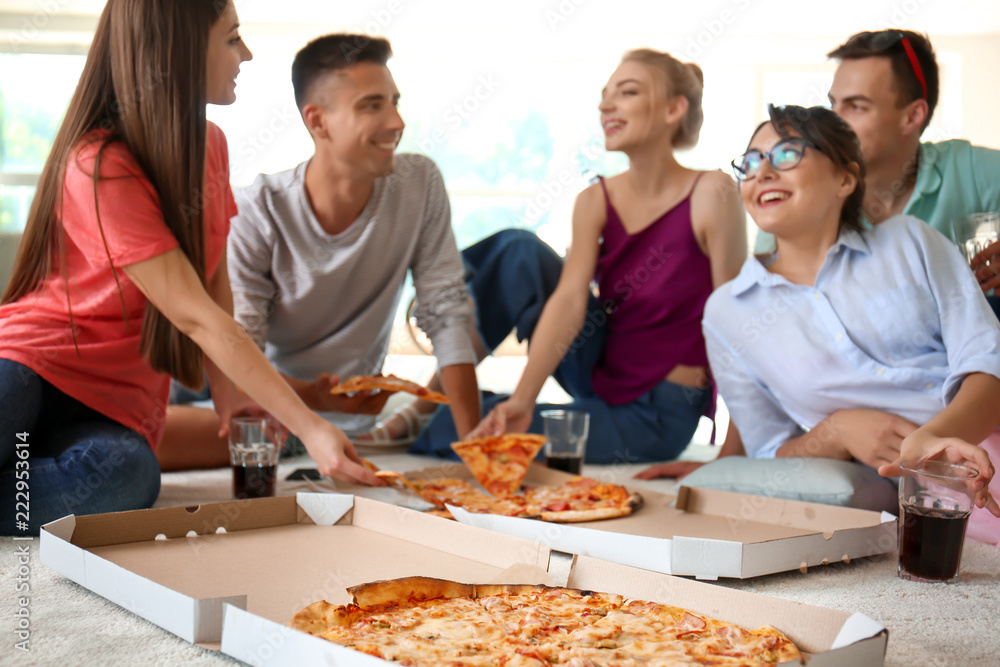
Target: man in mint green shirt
886, 88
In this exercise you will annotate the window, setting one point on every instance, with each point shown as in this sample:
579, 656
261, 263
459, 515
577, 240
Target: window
30, 115
515, 132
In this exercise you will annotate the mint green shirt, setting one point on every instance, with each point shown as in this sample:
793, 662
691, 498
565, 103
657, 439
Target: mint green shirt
954, 179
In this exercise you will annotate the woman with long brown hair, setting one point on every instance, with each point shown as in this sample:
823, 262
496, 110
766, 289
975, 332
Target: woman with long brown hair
121, 279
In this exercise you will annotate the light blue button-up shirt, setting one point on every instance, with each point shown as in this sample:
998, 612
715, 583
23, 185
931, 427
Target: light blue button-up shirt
894, 322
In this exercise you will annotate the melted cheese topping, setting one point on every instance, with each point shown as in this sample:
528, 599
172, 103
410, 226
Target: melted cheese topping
552, 626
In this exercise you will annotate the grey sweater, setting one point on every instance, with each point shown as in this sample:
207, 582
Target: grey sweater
316, 302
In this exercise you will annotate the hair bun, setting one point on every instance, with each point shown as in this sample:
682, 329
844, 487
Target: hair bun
682, 79
696, 70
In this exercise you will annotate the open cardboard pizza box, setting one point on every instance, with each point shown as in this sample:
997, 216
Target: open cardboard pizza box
704, 533
270, 557
278, 555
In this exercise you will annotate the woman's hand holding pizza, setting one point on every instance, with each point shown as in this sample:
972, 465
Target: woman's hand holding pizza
511, 416
335, 456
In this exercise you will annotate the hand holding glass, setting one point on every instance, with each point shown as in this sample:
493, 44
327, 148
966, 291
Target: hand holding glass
935, 500
566, 439
976, 232
255, 445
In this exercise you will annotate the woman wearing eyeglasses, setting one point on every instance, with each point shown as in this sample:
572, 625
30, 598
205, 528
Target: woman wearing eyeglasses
839, 317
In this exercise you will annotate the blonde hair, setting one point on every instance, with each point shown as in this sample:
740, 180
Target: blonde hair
682, 79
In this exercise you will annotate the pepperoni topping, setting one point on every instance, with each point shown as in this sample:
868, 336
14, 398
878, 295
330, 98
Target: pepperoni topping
690, 623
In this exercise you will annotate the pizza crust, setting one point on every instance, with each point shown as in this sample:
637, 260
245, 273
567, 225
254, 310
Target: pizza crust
410, 589
596, 514
320, 616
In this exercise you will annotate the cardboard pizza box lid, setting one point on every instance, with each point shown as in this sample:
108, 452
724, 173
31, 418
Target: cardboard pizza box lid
703, 533
272, 557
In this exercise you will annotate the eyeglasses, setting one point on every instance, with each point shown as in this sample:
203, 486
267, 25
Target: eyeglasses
786, 155
884, 40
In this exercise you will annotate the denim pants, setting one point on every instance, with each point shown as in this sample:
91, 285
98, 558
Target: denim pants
513, 273
77, 461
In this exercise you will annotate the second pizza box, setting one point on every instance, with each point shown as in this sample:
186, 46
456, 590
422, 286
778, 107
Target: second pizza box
827, 638
703, 533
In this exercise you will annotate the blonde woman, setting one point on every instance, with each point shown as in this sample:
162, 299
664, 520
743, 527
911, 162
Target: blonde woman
657, 239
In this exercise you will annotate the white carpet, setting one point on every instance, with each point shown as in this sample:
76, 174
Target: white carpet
929, 624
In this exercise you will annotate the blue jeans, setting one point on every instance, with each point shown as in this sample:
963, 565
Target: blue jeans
513, 273
78, 460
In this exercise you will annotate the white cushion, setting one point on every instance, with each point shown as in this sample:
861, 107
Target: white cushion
825, 481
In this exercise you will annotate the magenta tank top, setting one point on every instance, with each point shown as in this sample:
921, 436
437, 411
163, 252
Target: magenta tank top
653, 285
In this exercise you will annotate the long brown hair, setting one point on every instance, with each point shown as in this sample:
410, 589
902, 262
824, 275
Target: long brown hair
144, 84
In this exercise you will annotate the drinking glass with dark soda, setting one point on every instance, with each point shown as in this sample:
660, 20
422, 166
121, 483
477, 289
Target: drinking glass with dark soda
935, 500
255, 445
566, 439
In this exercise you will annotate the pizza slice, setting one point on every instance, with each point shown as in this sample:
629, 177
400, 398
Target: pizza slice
400, 483
388, 383
500, 462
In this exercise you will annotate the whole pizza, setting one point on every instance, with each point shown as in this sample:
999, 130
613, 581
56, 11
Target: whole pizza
500, 464
577, 500
423, 621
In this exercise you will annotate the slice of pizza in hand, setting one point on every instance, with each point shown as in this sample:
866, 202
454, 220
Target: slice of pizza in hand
388, 383
500, 462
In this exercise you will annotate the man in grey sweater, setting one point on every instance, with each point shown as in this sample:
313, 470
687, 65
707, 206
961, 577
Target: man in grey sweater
318, 254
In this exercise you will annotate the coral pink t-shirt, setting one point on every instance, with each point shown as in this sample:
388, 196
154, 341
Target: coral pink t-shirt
105, 369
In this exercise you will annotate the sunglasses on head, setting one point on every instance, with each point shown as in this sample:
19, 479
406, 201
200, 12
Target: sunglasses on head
884, 40
785, 155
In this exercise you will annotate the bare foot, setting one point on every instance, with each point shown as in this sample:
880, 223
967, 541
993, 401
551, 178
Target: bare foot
676, 469
402, 427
